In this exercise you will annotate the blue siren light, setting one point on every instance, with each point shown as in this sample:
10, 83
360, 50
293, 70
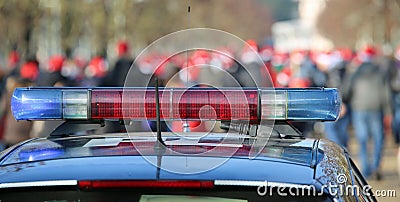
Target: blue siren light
41, 105
253, 104
314, 104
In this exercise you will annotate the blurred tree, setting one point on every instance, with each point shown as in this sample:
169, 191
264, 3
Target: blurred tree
98, 24
18, 20
353, 23
283, 9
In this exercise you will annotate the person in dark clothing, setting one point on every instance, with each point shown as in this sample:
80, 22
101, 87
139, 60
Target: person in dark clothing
12, 131
52, 75
368, 93
13, 67
393, 68
116, 77
338, 131
305, 73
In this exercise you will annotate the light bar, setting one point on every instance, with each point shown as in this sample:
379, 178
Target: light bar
250, 104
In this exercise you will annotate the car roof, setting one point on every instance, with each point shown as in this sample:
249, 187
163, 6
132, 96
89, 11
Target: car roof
131, 157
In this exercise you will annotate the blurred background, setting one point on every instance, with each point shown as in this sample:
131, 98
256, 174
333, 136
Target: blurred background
303, 43
90, 27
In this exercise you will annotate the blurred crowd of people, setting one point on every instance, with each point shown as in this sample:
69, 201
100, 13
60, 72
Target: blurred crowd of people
368, 80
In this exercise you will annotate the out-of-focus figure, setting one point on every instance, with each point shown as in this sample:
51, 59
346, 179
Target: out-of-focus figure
252, 71
12, 70
304, 73
116, 77
14, 131
266, 53
336, 72
51, 74
71, 70
280, 63
394, 78
95, 71
368, 94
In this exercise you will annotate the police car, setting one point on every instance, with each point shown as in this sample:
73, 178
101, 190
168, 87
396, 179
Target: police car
259, 156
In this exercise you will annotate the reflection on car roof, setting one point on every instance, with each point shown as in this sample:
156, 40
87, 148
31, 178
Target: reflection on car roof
218, 145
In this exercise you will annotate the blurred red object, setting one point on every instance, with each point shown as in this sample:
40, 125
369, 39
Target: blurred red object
29, 70
122, 48
13, 59
370, 50
201, 57
56, 63
397, 53
266, 52
97, 67
366, 53
299, 83
253, 45
346, 54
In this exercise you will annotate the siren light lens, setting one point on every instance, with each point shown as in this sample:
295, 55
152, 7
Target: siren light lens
249, 104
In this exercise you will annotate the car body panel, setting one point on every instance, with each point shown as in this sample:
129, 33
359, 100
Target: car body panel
276, 163
297, 161
137, 168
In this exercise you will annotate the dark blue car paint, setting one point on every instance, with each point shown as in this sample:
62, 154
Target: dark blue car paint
319, 162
